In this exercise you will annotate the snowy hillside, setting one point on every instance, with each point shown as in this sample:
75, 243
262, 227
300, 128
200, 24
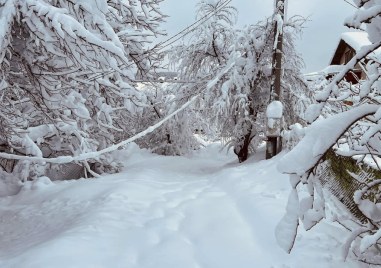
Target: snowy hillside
201, 211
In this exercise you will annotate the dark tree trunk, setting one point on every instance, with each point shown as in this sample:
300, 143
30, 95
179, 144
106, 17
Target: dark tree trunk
242, 149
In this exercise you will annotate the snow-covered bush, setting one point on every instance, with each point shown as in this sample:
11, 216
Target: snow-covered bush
67, 72
352, 131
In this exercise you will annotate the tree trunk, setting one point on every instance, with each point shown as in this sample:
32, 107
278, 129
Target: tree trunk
242, 149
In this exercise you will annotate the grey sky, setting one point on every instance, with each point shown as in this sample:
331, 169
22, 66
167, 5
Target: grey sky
316, 45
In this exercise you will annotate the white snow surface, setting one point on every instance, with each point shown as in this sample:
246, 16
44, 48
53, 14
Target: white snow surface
199, 211
356, 39
274, 110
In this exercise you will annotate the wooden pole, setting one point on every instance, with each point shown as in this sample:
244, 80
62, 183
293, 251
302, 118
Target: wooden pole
274, 144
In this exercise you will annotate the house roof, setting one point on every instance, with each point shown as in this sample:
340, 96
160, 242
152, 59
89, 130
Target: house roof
332, 69
355, 40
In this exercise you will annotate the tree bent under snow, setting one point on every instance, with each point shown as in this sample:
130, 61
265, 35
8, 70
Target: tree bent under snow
66, 74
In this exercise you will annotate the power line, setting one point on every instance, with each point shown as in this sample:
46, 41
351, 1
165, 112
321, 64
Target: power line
92, 155
186, 31
167, 81
351, 4
196, 22
205, 18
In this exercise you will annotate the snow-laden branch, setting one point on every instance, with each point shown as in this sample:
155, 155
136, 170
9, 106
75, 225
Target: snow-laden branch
363, 16
63, 25
321, 136
93, 155
359, 194
7, 12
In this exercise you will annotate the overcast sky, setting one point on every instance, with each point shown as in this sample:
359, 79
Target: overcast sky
320, 37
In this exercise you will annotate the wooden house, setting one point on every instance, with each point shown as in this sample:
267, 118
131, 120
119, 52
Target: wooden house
350, 43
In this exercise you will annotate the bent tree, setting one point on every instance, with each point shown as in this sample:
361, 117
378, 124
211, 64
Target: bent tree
67, 72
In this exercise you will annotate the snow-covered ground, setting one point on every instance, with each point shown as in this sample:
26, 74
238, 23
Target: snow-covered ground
201, 211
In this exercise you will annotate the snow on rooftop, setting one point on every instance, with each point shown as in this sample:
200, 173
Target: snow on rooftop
356, 39
331, 69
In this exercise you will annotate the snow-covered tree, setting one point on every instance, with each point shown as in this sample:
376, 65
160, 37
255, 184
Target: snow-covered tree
204, 53
208, 47
353, 131
239, 65
67, 72
243, 97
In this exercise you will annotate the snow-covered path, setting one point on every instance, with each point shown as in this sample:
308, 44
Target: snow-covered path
205, 211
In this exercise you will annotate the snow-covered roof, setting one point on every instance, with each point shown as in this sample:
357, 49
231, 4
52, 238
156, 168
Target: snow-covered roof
331, 69
356, 40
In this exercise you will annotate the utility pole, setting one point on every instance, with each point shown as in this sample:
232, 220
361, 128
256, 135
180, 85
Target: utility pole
274, 142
